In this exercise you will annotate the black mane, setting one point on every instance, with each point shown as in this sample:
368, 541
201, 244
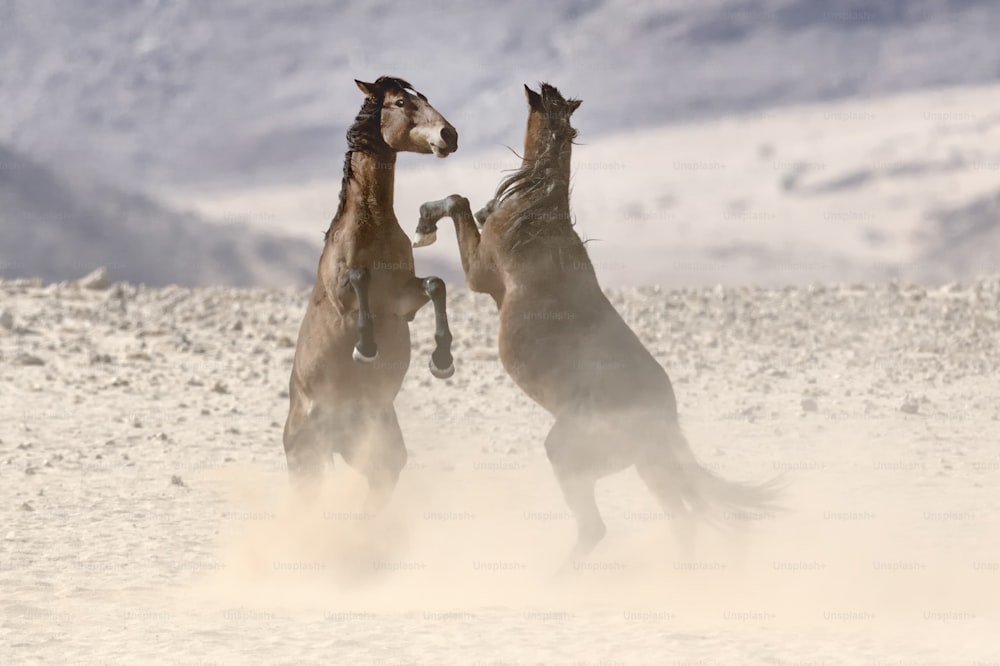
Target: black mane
365, 135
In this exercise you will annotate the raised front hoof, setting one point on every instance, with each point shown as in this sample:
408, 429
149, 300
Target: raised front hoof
439, 373
361, 358
423, 239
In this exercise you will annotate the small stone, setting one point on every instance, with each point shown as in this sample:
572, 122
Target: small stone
27, 507
27, 359
910, 405
238, 326
286, 342
219, 387
98, 280
176, 480
809, 405
7, 320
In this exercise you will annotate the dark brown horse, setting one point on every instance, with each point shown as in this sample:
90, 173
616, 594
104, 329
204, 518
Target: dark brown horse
365, 295
567, 347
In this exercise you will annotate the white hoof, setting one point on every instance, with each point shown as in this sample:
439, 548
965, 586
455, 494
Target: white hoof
425, 239
439, 373
361, 358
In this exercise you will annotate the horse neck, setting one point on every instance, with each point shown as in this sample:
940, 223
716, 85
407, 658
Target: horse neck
370, 189
532, 136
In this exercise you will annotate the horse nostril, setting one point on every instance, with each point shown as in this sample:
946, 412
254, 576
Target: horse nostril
450, 136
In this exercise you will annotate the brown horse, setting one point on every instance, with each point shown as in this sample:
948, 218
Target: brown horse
365, 294
567, 347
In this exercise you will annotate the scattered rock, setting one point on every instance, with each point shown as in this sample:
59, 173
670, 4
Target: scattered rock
238, 326
286, 342
27, 507
25, 358
96, 358
7, 320
809, 405
97, 280
219, 387
910, 405
139, 356
176, 480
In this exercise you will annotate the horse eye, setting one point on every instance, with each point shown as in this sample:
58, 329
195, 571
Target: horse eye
400, 103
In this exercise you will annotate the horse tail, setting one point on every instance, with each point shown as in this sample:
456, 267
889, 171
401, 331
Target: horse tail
719, 500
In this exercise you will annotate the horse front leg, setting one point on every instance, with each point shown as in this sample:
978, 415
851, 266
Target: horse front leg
442, 364
365, 350
481, 273
485, 212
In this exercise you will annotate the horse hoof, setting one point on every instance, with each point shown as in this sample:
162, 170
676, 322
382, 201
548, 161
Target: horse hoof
439, 373
361, 358
425, 239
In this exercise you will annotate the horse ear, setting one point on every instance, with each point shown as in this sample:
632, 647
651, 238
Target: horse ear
574, 104
367, 88
534, 99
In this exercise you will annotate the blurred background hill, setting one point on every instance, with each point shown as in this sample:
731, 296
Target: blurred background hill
197, 142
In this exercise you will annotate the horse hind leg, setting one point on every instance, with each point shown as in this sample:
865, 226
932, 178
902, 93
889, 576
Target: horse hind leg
665, 481
378, 453
577, 476
305, 453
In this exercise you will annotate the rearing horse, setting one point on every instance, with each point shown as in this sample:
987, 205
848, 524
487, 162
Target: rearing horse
365, 295
567, 347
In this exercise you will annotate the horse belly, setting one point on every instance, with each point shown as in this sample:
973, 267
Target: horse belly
329, 373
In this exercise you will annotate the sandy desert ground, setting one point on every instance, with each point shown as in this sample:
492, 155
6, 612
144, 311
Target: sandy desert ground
147, 519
